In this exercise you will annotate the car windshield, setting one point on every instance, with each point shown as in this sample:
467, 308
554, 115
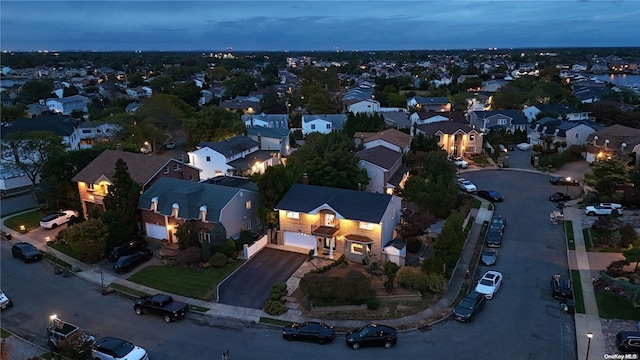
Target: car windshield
123, 349
50, 217
466, 303
488, 254
364, 331
486, 282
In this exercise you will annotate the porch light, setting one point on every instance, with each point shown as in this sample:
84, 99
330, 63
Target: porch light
22, 228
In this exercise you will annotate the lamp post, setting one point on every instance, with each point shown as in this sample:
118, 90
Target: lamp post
589, 336
568, 182
98, 269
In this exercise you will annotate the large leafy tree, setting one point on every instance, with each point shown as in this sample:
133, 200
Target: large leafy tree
212, 124
30, 151
241, 84
89, 238
272, 185
34, 90
271, 103
121, 205
187, 234
165, 113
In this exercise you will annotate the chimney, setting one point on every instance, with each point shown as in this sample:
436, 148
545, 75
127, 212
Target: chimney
305, 179
362, 139
119, 147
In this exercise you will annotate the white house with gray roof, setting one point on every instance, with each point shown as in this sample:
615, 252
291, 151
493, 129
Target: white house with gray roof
69, 104
273, 121
323, 123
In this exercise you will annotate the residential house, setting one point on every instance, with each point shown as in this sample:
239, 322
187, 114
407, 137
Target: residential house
273, 140
589, 91
62, 126
553, 130
455, 138
37, 109
509, 120
133, 107
555, 110
384, 166
391, 138
94, 179
69, 104
169, 203
397, 119
364, 91
136, 93
87, 134
427, 117
323, 123
368, 106
275, 121
613, 140
243, 106
239, 154
429, 103
332, 221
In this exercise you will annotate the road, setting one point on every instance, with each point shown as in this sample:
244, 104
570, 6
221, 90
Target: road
521, 322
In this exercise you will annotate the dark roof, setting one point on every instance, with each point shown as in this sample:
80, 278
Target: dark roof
431, 100
516, 115
446, 127
273, 133
245, 163
396, 243
396, 118
232, 181
381, 156
456, 116
274, 120
398, 175
558, 109
189, 196
351, 204
232, 146
58, 124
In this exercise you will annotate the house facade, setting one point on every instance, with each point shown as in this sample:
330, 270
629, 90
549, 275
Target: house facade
169, 202
510, 120
385, 169
367, 106
332, 221
455, 138
391, 138
555, 110
67, 105
613, 140
95, 179
216, 158
323, 123
553, 130
439, 104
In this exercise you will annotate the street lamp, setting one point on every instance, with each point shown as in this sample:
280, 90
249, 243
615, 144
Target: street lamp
589, 336
568, 182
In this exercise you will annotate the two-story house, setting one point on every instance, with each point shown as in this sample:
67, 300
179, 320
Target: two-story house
455, 138
426, 117
384, 166
509, 120
555, 110
613, 140
240, 154
170, 202
553, 130
94, 179
69, 104
429, 103
332, 221
368, 106
273, 121
391, 138
323, 123
87, 134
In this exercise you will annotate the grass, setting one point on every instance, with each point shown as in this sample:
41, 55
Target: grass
577, 291
266, 320
568, 230
476, 203
4, 333
65, 249
127, 290
586, 234
57, 261
193, 282
30, 220
613, 306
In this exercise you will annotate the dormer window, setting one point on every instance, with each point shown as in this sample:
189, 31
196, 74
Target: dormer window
175, 209
154, 204
203, 213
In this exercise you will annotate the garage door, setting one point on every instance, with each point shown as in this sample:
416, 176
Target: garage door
299, 240
156, 231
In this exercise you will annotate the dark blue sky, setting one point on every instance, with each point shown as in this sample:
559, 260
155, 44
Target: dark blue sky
315, 25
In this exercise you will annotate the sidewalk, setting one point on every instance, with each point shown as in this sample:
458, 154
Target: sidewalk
589, 322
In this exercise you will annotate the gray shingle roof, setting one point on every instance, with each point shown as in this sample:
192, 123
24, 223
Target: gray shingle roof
381, 156
274, 133
230, 147
351, 204
337, 120
245, 163
446, 127
57, 124
189, 196
431, 100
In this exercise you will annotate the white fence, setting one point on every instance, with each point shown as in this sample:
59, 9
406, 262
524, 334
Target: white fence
249, 251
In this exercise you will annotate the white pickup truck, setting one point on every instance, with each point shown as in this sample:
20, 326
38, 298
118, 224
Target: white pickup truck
604, 209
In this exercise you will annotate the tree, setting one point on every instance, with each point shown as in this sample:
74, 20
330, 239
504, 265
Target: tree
363, 122
212, 124
610, 172
121, 205
10, 113
70, 91
88, 238
187, 235
34, 90
272, 185
271, 103
424, 143
165, 113
633, 255
240, 85
29, 151
187, 92
218, 234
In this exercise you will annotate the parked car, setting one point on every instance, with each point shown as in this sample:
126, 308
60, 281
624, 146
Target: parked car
561, 287
5, 302
62, 334
26, 252
604, 209
170, 145
460, 162
628, 341
524, 146
561, 180
309, 331
127, 263
466, 185
469, 306
494, 238
112, 348
135, 244
372, 335
489, 257
498, 222
56, 219
489, 284
558, 197
161, 304
490, 195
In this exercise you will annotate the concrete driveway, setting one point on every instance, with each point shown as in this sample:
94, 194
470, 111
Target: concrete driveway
250, 285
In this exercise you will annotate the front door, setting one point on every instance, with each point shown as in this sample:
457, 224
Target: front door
327, 243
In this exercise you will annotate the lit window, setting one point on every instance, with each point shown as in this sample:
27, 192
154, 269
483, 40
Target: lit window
366, 226
247, 205
357, 249
90, 187
293, 215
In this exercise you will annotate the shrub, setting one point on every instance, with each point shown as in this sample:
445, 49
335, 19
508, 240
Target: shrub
390, 268
413, 245
352, 288
436, 283
228, 247
412, 278
218, 260
373, 268
628, 235
274, 307
245, 238
207, 251
373, 303
278, 290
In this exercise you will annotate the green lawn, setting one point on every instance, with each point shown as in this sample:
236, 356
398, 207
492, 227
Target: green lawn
193, 282
30, 220
586, 234
613, 306
577, 291
568, 230
65, 249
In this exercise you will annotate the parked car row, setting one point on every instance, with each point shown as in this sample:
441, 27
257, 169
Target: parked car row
475, 301
495, 231
368, 335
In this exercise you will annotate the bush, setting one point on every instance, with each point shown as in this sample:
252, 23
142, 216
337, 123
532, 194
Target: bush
218, 260
436, 283
228, 247
354, 288
414, 245
628, 235
412, 278
273, 307
278, 290
373, 303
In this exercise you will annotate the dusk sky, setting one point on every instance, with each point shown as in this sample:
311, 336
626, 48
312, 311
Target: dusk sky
316, 25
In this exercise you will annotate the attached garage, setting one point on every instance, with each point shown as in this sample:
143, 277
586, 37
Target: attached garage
300, 240
155, 231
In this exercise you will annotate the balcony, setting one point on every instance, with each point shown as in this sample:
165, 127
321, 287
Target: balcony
319, 228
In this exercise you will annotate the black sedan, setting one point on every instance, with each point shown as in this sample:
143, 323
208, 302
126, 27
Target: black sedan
490, 195
372, 335
309, 331
469, 306
129, 262
560, 180
489, 257
558, 197
26, 252
494, 238
138, 243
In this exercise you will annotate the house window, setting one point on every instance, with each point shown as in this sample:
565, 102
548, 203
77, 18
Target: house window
357, 249
502, 121
208, 158
248, 224
190, 177
247, 205
177, 167
166, 170
293, 215
204, 236
472, 137
86, 131
328, 126
313, 127
90, 187
576, 136
366, 226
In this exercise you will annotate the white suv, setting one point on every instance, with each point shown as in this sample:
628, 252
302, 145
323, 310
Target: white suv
460, 162
604, 209
466, 185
